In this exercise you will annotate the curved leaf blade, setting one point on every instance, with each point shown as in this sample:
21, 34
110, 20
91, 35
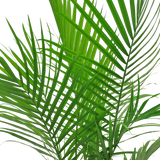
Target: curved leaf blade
34, 52
95, 43
102, 141
68, 93
43, 69
107, 28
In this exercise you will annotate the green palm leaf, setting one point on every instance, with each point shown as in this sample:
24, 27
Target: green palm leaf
68, 103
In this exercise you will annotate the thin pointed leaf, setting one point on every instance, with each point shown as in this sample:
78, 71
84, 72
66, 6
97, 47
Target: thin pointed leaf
34, 52
67, 129
138, 96
102, 141
110, 136
53, 85
125, 17
8, 57
68, 93
8, 69
20, 76
131, 110
60, 92
21, 105
107, 28
6, 73
43, 69
95, 150
7, 78
88, 125
152, 149
83, 57
75, 100
118, 22
132, 6
95, 43
118, 136
23, 55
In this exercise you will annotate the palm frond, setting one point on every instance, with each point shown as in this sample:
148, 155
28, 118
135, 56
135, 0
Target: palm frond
77, 98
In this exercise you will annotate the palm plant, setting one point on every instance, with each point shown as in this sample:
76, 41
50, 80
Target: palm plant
76, 98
